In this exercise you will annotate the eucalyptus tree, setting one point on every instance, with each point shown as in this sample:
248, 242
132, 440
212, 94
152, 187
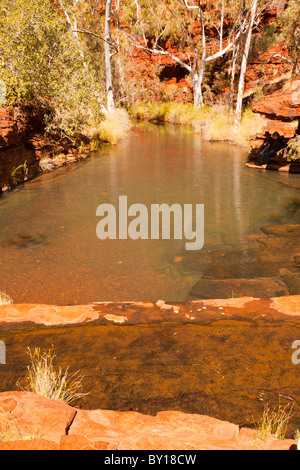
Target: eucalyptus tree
256, 8
72, 11
157, 20
245, 54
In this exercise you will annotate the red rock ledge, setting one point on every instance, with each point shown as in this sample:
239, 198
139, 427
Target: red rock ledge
32, 422
281, 308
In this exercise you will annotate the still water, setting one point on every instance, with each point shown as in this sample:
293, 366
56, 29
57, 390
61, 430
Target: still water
49, 251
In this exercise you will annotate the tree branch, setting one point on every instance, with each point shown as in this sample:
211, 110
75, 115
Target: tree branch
97, 36
160, 52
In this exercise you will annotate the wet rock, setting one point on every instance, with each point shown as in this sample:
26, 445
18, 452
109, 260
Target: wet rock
278, 249
292, 280
198, 261
282, 230
297, 260
242, 270
227, 288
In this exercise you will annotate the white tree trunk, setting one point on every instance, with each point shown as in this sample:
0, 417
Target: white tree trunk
197, 86
197, 76
232, 77
108, 73
241, 87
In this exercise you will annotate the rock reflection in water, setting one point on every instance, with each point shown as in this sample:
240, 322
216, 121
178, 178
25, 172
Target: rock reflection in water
154, 165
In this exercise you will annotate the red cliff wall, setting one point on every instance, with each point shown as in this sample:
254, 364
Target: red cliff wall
18, 124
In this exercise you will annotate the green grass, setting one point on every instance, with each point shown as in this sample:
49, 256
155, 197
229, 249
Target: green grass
213, 123
18, 173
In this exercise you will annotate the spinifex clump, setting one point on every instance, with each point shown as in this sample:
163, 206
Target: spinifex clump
49, 382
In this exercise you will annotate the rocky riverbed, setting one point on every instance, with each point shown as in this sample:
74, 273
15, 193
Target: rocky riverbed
187, 370
267, 265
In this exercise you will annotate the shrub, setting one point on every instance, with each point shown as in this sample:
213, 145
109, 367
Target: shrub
252, 123
170, 92
18, 174
43, 64
292, 152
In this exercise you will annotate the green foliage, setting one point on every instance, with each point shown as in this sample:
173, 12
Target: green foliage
41, 62
33, 45
18, 173
292, 152
289, 21
170, 92
285, 30
258, 94
262, 42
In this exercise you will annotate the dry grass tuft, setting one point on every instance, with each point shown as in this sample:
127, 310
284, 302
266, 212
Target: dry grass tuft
115, 126
43, 379
274, 422
5, 299
212, 123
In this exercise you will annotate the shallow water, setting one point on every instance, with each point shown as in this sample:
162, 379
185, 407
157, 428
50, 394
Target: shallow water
49, 251
229, 369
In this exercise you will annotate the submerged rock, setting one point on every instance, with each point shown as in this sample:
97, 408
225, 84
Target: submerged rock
227, 288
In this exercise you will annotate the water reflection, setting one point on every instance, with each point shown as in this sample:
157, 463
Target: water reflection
53, 218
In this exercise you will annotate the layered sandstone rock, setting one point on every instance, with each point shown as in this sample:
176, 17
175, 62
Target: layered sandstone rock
23, 143
283, 104
281, 109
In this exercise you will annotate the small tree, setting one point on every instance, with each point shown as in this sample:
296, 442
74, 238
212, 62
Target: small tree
241, 86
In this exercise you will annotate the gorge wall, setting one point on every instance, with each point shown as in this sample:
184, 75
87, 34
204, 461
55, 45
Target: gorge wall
17, 126
26, 150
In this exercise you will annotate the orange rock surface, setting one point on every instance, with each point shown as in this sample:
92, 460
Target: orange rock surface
31, 422
144, 312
